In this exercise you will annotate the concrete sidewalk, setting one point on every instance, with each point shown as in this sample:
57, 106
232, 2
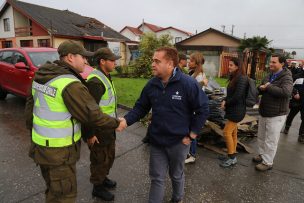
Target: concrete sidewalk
21, 180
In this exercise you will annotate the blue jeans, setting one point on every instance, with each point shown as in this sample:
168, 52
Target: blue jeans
193, 147
162, 159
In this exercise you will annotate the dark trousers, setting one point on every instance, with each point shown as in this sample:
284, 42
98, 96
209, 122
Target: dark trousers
102, 159
163, 159
60, 182
293, 112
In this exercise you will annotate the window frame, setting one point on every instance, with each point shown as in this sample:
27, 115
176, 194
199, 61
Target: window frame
6, 25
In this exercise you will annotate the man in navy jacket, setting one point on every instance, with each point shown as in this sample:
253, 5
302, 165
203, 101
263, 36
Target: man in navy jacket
179, 110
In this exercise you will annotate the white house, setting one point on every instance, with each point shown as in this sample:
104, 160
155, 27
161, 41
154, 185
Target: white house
135, 33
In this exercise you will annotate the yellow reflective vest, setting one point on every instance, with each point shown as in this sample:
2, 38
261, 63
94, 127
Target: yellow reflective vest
53, 125
108, 100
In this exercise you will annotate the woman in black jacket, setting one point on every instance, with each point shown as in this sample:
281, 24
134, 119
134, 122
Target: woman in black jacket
235, 108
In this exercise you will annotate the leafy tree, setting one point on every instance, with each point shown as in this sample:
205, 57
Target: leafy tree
254, 45
148, 44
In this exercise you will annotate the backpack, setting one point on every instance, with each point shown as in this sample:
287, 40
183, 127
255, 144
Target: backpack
252, 93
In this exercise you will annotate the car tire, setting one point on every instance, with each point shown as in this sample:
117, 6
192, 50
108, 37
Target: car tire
3, 94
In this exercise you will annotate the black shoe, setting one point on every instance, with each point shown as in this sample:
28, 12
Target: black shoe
285, 131
102, 193
109, 183
301, 139
146, 139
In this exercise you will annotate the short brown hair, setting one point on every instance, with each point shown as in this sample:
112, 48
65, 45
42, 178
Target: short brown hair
182, 57
170, 54
282, 58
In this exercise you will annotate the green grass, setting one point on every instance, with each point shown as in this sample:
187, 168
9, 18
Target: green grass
129, 89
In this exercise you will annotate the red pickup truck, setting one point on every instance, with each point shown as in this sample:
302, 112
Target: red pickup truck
18, 66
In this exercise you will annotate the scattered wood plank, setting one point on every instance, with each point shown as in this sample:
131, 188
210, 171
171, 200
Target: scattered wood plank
216, 128
248, 119
213, 148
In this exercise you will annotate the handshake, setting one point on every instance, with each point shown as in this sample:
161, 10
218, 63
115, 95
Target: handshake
122, 124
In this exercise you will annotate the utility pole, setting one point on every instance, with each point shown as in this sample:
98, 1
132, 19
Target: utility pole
232, 29
223, 26
245, 35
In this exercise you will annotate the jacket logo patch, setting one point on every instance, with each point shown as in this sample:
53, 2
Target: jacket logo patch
176, 96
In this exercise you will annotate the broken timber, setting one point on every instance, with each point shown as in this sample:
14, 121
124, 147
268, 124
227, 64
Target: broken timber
217, 130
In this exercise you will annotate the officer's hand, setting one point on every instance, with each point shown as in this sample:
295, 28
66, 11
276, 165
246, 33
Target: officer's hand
91, 141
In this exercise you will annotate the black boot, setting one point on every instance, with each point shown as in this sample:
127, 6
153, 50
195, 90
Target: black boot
108, 183
286, 129
301, 138
101, 192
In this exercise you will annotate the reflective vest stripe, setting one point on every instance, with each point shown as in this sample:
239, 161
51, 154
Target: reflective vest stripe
108, 100
51, 115
56, 142
55, 132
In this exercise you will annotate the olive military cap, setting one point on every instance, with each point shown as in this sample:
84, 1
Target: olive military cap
106, 54
72, 47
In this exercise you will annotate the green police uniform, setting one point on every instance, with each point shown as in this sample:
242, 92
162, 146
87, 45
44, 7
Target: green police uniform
102, 155
59, 103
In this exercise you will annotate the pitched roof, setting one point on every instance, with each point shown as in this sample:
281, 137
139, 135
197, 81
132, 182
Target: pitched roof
135, 30
152, 27
65, 22
179, 30
211, 30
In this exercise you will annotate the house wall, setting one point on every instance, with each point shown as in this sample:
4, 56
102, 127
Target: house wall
57, 41
37, 30
127, 33
20, 20
117, 49
145, 29
212, 39
23, 21
34, 38
173, 33
7, 14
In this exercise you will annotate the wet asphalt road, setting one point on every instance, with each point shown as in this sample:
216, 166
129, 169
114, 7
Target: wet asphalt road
20, 179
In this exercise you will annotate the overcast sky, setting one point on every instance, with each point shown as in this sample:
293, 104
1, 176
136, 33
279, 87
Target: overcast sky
279, 20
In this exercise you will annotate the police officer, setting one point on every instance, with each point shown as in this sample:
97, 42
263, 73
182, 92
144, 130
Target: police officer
59, 104
102, 149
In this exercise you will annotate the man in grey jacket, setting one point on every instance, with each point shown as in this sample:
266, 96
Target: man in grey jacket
276, 89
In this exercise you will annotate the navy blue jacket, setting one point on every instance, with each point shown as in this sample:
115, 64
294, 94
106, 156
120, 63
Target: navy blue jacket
178, 108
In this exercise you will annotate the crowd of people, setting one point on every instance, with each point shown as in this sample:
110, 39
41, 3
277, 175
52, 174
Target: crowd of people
63, 108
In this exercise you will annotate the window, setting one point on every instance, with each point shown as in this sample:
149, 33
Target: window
43, 42
178, 39
6, 24
7, 44
7, 56
40, 58
18, 57
26, 43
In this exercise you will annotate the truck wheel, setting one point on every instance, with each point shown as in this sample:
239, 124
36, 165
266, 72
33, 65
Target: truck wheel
3, 94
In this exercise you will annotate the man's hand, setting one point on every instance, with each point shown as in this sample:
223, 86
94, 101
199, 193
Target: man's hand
297, 96
122, 125
186, 140
263, 87
91, 141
